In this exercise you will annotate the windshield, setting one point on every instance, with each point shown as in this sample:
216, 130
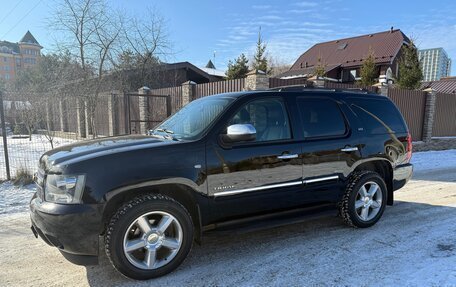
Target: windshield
192, 120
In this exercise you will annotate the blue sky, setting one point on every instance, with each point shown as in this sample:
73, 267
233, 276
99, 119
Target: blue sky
198, 28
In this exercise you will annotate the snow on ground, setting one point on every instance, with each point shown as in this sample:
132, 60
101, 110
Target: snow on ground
433, 160
25, 153
15, 198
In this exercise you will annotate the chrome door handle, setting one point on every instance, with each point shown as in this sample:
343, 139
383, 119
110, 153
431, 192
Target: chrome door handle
288, 156
349, 149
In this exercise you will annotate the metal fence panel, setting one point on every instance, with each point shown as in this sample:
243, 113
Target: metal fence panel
411, 103
445, 115
207, 89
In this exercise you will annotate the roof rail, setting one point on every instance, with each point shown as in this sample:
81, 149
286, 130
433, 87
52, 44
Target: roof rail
302, 88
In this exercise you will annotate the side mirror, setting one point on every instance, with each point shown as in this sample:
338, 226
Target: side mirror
239, 133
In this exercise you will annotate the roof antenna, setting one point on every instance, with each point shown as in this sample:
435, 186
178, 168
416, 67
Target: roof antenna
392, 28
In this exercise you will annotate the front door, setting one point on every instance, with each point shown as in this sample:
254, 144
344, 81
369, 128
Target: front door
255, 176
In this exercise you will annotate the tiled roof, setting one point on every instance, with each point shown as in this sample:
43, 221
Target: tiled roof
349, 52
29, 39
304, 72
445, 85
8, 47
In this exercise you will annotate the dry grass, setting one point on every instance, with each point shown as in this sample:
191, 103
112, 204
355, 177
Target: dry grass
22, 177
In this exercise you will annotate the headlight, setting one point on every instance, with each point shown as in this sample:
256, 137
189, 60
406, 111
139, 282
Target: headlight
64, 188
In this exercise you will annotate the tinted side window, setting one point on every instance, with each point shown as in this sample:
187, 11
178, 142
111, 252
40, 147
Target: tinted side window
268, 116
321, 118
378, 115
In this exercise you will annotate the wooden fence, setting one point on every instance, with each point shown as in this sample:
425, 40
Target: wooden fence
207, 89
445, 115
276, 82
411, 103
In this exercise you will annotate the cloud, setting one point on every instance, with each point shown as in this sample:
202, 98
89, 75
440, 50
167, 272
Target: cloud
261, 7
269, 17
306, 4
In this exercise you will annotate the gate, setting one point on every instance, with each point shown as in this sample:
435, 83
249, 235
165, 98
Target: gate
144, 111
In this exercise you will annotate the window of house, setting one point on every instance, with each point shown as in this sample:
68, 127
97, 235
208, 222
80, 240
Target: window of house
353, 73
321, 118
268, 116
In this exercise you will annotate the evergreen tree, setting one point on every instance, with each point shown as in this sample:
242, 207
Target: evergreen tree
410, 74
368, 70
260, 63
237, 69
320, 70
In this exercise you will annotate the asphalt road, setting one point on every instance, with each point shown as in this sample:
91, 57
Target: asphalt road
414, 244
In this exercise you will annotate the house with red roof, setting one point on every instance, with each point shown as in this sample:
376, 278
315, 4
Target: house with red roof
343, 58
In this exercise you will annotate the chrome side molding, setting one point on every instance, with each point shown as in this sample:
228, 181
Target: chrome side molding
288, 156
333, 177
239, 191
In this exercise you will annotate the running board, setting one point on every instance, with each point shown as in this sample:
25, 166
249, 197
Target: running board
271, 220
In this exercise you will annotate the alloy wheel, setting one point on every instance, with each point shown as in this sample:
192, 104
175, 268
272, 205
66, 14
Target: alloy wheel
152, 240
368, 201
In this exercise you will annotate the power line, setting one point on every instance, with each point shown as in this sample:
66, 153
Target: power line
25, 16
11, 11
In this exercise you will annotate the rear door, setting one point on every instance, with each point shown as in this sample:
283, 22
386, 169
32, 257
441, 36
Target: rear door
330, 147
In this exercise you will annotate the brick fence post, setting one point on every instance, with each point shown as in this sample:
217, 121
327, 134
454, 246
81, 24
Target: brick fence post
113, 119
88, 119
188, 92
81, 119
63, 116
429, 114
49, 123
256, 80
383, 90
143, 109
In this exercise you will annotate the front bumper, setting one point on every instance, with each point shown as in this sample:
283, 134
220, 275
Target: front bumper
401, 175
73, 229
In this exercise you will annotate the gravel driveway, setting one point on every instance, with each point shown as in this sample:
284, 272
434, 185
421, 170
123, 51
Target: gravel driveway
413, 245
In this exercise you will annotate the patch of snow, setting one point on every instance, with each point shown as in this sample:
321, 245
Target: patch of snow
433, 160
15, 199
443, 138
25, 153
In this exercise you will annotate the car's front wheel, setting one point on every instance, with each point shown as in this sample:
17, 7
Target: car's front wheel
149, 237
364, 200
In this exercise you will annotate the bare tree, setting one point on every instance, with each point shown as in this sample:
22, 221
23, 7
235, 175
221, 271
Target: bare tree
90, 32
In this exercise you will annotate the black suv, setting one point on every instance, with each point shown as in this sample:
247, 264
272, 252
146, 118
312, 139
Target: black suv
219, 160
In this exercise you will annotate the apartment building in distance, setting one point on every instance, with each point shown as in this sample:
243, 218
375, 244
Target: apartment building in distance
17, 56
435, 64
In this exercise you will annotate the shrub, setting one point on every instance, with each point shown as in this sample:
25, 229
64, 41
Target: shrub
23, 177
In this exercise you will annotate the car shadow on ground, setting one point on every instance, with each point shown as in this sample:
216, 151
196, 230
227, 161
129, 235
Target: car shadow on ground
302, 250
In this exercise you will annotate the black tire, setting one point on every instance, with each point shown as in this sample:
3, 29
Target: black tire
347, 208
126, 215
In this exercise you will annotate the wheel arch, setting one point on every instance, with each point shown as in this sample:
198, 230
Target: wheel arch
384, 168
183, 194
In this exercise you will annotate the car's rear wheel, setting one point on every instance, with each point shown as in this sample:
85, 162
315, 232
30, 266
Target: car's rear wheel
364, 200
149, 237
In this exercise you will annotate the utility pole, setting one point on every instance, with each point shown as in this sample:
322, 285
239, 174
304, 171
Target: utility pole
5, 145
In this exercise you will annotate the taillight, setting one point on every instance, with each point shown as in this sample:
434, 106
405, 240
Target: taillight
409, 148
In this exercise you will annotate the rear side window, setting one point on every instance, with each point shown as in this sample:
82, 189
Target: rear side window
378, 116
321, 118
